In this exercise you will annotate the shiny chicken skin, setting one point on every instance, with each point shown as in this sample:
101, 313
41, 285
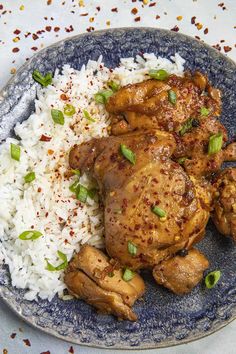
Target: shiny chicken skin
148, 104
224, 202
93, 278
130, 191
181, 274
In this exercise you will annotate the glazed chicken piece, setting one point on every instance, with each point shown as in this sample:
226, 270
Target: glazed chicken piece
181, 273
164, 105
224, 205
130, 191
91, 276
193, 147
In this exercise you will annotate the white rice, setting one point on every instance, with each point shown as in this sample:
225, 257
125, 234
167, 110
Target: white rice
46, 204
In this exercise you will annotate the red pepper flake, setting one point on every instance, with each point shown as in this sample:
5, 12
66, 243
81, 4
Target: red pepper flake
217, 46
205, 30
1, 6
15, 50
39, 190
63, 97
85, 14
34, 49
46, 214
98, 8
90, 29
45, 138
71, 350
47, 352
134, 11
17, 32
227, 48
49, 2
69, 29
27, 34
157, 17
48, 28
152, 4
134, 0
114, 9
175, 28
137, 19
27, 342
72, 233
56, 29
193, 19
197, 37
34, 36
13, 335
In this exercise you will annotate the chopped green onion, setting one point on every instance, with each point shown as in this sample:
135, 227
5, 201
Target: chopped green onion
61, 266
204, 111
186, 126
132, 248
30, 235
158, 74
69, 110
88, 116
128, 274
215, 143
212, 279
158, 211
57, 116
113, 85
172, 97
30, 177
182, 160
92, 193
73, 188
103, 96
76, 172
111, 274
128, 154
43, 80
15, 152
82, 193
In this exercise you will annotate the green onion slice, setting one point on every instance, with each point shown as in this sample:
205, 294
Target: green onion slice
215, 143
182, 160
15, 152
82, 193
158, 74
113, 85
159, 212
69, 110
61, 266
57, 116
73, 188
212, 279
92, 193
43, 80
30, 235
103, 96
204, 111
172, 97
128, 154
132, 248
88, 116
128, 274
76, 172
29, 177
186, 126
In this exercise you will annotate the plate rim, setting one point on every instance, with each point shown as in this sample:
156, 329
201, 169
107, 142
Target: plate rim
67, 338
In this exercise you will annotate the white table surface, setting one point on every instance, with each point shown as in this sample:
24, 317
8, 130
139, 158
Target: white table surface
215, 23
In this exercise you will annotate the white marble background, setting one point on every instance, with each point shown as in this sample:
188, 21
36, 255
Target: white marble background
39, 23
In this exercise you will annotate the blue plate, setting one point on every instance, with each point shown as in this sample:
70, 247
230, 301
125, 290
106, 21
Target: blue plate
164, 319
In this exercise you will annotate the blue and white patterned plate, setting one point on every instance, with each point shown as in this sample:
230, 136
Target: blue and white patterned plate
164, 318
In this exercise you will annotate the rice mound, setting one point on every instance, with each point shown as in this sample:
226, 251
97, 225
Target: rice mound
46, 204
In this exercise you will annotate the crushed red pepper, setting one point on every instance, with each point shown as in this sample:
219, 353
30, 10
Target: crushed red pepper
27, 342
71, 350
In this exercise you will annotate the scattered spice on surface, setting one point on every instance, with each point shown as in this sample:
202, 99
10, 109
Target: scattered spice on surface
85, 14
27, 342
15, 50
175, 29
157, 17
71, 350
114, 9
13, 335
17, 31
137, 19
5, 351
227, 48
34, 48
193, 19
152, 4
16, 39
108, 23
205, 31
49, 2
134, 11
179, 18
13, 71
56, 29
22, 7
48, 28
47, 352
